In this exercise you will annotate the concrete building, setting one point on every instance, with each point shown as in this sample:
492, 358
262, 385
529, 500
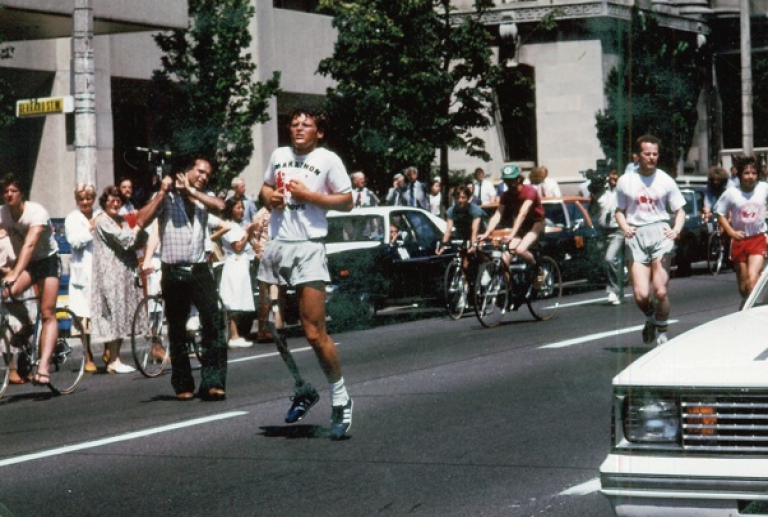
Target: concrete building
568, 68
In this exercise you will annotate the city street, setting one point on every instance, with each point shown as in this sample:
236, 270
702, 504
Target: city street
450, 418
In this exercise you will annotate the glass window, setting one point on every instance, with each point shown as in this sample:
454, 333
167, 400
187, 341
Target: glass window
355, 229
554, 214
307, 6
426, 233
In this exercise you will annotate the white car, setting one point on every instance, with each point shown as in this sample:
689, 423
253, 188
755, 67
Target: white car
690, 422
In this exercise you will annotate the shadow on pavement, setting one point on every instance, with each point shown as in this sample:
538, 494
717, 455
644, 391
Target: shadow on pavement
295, 431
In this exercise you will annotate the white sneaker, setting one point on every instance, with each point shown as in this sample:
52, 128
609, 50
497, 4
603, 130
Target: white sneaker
120, 368
239, 343
613, 299
661, 338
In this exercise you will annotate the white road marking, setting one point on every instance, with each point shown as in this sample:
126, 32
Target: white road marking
269, 354
593, 485
589, 302
593, 337
121, 438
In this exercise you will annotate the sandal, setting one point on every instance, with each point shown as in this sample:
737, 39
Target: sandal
41, 379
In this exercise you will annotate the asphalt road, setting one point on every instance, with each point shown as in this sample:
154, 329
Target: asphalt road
450, 419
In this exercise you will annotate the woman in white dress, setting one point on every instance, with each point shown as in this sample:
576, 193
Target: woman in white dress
234, 287
78, 227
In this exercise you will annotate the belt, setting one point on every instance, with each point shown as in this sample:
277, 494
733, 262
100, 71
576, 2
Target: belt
182, 266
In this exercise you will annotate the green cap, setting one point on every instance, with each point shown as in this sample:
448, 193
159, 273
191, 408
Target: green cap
510, 172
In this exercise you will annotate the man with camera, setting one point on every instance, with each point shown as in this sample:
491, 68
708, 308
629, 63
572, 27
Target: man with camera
603, 207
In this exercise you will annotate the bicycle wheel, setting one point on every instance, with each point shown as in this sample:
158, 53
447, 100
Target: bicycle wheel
194, 331
715, 254
68, 359
456, 288
547, 291
491, 294
5, 361
149, 337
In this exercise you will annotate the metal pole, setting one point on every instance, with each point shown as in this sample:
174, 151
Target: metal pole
83, 69
747, 124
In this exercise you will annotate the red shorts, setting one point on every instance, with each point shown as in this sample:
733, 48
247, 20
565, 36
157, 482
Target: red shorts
741, 250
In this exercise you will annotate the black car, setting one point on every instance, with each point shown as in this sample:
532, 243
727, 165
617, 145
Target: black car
370, 272
692, 245
571, 239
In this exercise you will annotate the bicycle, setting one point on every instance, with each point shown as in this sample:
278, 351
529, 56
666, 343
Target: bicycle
67, 361
457, 284
541, 292
150, 346
717, 250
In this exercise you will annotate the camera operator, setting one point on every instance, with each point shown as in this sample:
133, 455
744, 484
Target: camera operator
602, 189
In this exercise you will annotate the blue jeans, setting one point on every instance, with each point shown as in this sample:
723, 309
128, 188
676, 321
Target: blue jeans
182, 286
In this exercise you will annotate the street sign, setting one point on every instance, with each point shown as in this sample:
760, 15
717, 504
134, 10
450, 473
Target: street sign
44, 106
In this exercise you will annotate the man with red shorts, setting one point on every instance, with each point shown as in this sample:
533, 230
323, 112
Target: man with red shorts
741, 213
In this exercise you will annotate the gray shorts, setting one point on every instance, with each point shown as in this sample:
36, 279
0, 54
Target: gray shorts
649, 243
294, 263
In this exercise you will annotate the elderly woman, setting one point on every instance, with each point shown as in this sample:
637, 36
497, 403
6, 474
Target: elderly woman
114, 293
79, 231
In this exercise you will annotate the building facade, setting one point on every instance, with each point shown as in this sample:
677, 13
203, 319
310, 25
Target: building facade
568, 68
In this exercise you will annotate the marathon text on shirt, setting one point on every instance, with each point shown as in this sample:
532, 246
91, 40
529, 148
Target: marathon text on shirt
298, 165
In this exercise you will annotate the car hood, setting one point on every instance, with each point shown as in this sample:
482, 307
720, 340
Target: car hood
729, 352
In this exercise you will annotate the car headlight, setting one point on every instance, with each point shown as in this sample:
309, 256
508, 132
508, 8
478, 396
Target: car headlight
650, 418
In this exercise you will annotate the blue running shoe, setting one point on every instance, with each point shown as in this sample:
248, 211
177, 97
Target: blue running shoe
305, 396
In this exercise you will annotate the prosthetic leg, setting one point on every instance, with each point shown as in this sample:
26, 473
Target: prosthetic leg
305, 396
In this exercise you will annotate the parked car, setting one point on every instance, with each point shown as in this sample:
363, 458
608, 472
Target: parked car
571, 239
694, 237
690, 422
369, 272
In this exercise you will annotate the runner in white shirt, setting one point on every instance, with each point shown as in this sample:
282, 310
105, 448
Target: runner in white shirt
741, 213
301, 184
642, 198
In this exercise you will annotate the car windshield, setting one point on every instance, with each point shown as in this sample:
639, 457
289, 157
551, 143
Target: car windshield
690, 204
555, 214
358, 228
577, 216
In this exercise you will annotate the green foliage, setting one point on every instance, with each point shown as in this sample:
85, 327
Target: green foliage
654, 90
408, 82
206, 100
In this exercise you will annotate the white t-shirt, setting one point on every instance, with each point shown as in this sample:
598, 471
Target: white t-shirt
746, 210
485, 191
34, 215
644, 199
321, 171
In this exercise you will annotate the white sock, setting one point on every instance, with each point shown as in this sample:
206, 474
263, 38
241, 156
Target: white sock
339, 395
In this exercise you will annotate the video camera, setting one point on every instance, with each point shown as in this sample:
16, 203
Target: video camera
598, 177
159, 160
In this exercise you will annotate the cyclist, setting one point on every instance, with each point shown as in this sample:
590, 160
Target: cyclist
466, 218
29, 227
522, 203
717, 183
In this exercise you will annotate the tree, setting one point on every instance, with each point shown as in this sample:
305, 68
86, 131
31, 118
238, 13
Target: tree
410, 80
205, 97
654, 89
